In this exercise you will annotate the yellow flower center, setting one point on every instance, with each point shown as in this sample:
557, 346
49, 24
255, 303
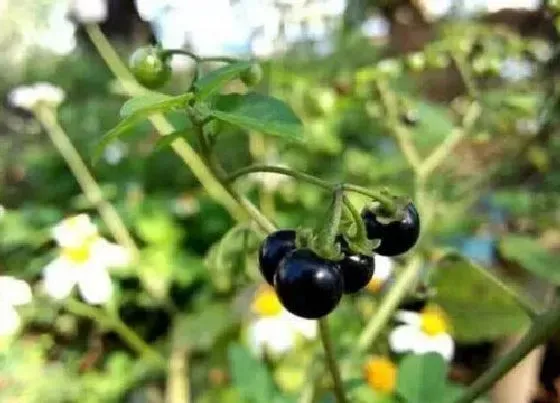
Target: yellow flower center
381, 374
433, 321
375, 284
79, 254
266, 303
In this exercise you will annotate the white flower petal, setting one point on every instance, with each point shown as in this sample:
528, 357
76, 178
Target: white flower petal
14, 291
90, 11
46, 92
23, 97
403, 338
442, 344
410, 318
307, 328
59, 277
110, 254
271, 333
72, 232
9, 320
95, 284
383, 267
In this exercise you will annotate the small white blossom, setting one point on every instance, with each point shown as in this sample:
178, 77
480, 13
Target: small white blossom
13, 292
89, 11
2, 211
384, 267
422, 333
84, 260
28, 97
275, 329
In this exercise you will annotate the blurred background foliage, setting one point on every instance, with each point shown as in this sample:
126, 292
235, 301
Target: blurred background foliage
496, 199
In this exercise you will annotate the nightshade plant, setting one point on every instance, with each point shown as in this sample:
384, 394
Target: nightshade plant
310, 268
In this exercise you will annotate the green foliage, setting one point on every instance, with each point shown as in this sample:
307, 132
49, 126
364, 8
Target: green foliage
421, 378
260, 113
477, 306
529, 254
251, 378
137, 109
215, 80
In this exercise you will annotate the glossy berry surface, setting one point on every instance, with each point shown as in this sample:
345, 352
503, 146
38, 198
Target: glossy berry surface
149, 67
308, 285
357, 269
252, 76
396, 237
274, 248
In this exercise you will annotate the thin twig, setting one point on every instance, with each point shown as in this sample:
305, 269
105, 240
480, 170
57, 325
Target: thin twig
330, 356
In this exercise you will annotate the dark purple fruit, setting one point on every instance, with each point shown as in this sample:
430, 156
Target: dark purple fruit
273, 250
308, 285
396, 237
357, 269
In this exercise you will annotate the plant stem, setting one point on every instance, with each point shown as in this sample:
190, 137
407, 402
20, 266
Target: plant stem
466, 76
390, 105
330, 356
380, 197
85, 179
443, 150
543, 327
389, 304
128, 335
361, 233
179, 145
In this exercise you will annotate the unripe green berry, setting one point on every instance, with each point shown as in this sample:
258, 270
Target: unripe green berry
252, 76
149, 67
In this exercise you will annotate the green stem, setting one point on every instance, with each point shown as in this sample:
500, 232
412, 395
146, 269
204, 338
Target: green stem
361, 233
169, 52
388, 306
162, 125
380, 197
85, 179
543, 327
128, 335
330, 356
390, 104
466, 76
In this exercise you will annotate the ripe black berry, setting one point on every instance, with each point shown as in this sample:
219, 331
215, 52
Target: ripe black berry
396, 237
356, 268
149, 67
308, 285
273, 250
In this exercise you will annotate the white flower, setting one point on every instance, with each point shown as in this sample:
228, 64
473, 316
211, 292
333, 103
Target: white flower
84, 260
275, 329
422, 333
89, 11
384, 268
115, 152
2, 211
28, 97
13, 292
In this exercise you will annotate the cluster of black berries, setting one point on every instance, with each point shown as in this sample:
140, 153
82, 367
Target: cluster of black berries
311, 286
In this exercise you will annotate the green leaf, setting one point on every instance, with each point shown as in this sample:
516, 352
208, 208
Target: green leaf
165, 141
258, 112
200, 330
250, 376
213, 81
143, 102
138, 109
421, 378
530, 255
478, 308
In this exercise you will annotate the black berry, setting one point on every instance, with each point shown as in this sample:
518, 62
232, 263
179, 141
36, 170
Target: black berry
273, 250
357, 269
396, 237
308, 285
149, 67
